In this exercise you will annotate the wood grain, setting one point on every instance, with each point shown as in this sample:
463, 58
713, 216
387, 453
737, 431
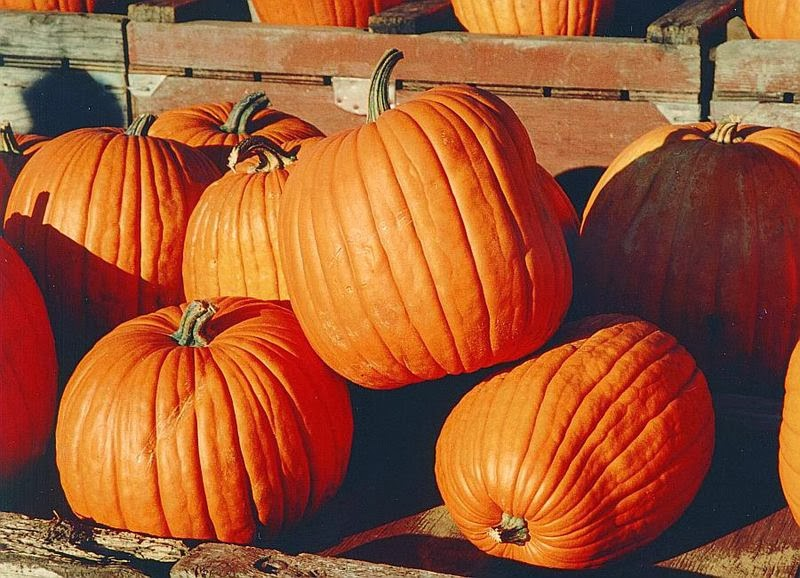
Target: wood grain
693, 22
761, 113
757, 67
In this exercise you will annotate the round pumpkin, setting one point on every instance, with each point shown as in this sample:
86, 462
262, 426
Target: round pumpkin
216, 127
99, 215
352, 13
15, 150
789, 437
773, 19
582, 454
535, 17
49, 5
210, 421
697, 229
417, 246
231, 245
28, 372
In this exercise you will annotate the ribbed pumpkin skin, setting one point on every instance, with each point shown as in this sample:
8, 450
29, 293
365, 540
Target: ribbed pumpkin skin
599, 444
100, 219
773, 19
789, 437
564, 209
231, 243
199, 127
703, 239
535, 17
203, 442
12, 161
352, 13
28, 372
417, 246
49, 5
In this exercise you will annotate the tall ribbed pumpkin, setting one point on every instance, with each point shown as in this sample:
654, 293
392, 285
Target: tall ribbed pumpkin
421, 244
99, 215
49, 5
207, 421
320, 12
28, 370
773, 19
535, 17
216, 127
580, 455
789, 437
697, 228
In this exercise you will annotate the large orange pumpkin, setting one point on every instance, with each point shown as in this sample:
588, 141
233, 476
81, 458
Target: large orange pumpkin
421, 244
28, 371
15, 150
535, 17
789, 437
773, 19
580, 455
216, 127
209, 421
320, 12
99, 215
49, 5
697, 228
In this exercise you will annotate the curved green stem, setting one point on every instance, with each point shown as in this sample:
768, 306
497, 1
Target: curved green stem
192, 325
243, 111
270, 155
140, 125
378, 99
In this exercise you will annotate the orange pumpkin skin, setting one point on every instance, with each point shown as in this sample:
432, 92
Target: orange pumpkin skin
535, 17
703, 238
100, 217
248, 433
28, 372
216, 127
352, 13
580, 455
562, 205
773, 19
413, 246
789, 437
49, 5
15, 150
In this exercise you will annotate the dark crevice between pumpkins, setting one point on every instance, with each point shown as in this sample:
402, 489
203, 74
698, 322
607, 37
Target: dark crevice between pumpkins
242, 113
191, 328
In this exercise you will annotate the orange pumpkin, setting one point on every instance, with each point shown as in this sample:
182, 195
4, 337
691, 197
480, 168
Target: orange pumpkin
28, 371
216, 127
416, 246
535, 17
49, 5
697, 228
353, 13
209, 421
99, 215
773, 19
15, 150
562, 205
789, 437
582, 454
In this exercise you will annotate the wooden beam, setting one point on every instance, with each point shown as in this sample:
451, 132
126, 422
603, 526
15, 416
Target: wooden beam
694, 22
415, 17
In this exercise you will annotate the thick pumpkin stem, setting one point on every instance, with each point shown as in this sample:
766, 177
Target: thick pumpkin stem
243, 111
270, 155
725, 132
378, 99
8, 142
140, 125
192, 324
510, 530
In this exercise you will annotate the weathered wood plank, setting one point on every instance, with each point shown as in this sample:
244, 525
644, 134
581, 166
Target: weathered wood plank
90, 37
762, 113
757, 67
175, 11
601, 63
693, 22
415, 17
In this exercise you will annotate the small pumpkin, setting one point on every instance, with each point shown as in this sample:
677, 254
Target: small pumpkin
697, 228
420, 244
773, 19
99, 215
535, 17
216, 127
350, 13
213, 420
789, 437
28, 371
582, 454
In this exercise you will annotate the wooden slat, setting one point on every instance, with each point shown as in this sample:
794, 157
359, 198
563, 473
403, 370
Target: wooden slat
758, 66
175, 11
89, 37
602, 63
693, 22
761, 113
415, 17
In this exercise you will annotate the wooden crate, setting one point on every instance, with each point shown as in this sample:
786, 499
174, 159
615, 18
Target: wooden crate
758, 80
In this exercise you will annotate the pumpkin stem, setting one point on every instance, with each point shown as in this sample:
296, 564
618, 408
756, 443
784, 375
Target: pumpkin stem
192, 324
140, 125
243, 111
725, 132
510, 530
8, 142
378, 99
270, 155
